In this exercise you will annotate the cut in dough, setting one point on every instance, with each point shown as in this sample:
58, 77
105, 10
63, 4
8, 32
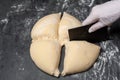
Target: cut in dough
67, 22
46, 27
79, 56
49, 34
46, 55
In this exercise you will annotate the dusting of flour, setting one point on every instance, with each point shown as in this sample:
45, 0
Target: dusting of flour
107, 65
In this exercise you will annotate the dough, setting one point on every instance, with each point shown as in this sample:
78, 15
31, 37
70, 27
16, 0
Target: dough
46, 55
67, 22
79, 56
46, 27
49, 34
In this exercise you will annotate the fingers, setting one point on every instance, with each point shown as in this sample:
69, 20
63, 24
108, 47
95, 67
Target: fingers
90, 19
96, 26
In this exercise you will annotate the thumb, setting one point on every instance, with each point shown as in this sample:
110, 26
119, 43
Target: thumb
96, 26
90, 19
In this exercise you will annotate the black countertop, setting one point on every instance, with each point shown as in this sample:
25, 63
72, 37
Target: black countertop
17, 18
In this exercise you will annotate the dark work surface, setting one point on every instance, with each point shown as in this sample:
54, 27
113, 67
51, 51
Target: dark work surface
17, 18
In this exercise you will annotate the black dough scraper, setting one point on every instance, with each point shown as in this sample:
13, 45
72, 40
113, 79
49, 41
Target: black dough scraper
81, 33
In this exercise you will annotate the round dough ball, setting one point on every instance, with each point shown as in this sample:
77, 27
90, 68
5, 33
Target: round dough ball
46, 27
79, 56
46, 55
67, 22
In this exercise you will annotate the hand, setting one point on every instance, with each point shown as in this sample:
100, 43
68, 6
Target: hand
104, 14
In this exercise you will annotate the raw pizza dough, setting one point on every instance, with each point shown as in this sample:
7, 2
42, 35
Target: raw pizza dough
46, 27
45, 49
46, 55
79, 56
67, 22
49, 34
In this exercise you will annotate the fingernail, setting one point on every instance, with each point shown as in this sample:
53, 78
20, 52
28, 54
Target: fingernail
91, 30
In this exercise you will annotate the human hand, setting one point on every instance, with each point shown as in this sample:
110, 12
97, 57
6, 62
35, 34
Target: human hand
104, 14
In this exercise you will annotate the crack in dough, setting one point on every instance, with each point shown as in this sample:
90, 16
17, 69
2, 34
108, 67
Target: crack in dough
67, 22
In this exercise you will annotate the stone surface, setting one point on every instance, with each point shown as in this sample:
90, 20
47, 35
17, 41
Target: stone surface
17, 18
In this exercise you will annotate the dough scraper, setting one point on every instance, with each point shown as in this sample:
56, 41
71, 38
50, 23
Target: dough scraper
81, 33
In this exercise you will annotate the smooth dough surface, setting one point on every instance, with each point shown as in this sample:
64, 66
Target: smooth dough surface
79, 56
67, 22
46, 55
46, 27
49, 34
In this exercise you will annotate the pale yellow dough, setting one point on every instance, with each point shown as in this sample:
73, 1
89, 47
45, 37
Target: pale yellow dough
49, 34
67, 22
46, 55
79, 56
46, 28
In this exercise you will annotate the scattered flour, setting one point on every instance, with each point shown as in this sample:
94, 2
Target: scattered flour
105, 60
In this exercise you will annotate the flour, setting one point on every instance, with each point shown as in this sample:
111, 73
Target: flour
20, 66
107, 65
4, 21
91, 4
105, 60
19, 7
